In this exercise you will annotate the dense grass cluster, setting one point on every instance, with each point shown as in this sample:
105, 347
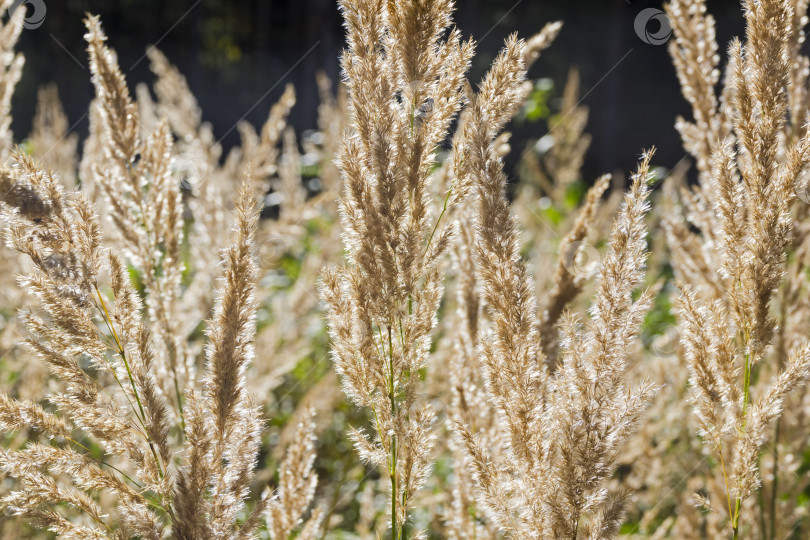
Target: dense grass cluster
367, 334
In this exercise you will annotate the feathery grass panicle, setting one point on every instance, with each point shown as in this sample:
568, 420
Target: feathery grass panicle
138, 184
224, 425
259, 152
119, 113
567, 284
233, 325
695, 55
500, 94
297, 482
16, 415
50, 141
565, 430
11, 67
405, 83
541, 41
552, 171
193, 477
511, 359
227, 410
596, 407
175, 103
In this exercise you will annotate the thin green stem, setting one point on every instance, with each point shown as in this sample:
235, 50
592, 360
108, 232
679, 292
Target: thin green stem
131, 377
102, 462
439, 220
780, 358
179, 402
746, 338
392, 473
775, 488
746, 388
392, 470
89, 455
725, 478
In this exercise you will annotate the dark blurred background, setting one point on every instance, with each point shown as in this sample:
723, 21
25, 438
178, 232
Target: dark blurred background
238, 56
